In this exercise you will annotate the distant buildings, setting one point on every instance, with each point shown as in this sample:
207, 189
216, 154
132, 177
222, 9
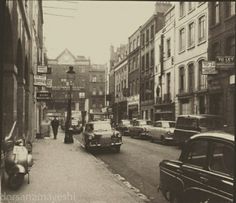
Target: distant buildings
170, 59
88, 89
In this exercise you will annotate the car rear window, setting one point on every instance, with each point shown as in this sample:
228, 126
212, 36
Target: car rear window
187, 123
211, 123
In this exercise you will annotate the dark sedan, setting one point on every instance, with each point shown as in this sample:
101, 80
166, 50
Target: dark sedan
140, 129
204, 171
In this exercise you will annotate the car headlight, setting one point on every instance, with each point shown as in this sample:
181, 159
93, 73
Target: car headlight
91, 136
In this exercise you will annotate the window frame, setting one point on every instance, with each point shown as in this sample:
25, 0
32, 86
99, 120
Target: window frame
191, 34
200, 22
182, 41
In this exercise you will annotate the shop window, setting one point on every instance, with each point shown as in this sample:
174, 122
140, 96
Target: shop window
191, 77
181, 79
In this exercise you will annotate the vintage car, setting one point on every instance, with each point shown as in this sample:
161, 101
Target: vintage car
123, 127
204, 171
188, 125
99, 134
162, 131
140, 129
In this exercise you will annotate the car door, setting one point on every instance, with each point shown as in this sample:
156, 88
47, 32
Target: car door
193, 171
221, 170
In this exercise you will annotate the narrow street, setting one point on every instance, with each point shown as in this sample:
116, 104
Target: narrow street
138, 162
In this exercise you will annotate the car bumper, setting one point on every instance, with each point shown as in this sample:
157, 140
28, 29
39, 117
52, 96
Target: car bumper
99, 145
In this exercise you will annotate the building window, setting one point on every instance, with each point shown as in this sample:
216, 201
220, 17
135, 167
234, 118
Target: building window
94, 91
181, 79
94, 79
191, 77
230, 46
147, 60
143, 39
137, 41
100, 92
190, 6
216, 13
130, 46
137, 86
134, 44
182, 40
215, 50
147, 35
181, 9
202, 29
168, 83
152, 57
152, 31
168, 49
191, 35
143, 63
202, 79
81, 94
230, 8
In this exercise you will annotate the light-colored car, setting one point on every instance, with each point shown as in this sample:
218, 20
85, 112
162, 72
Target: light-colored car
162, 131
99, 134
140, 129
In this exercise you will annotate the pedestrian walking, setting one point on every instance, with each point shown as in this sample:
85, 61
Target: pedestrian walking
55, 125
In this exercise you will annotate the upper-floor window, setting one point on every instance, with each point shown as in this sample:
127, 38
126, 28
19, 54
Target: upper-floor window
137, 41
168, 49
191, 34
143, 62
134, 44
130, 46
100, 92
152, 31
152, 57
94, 91
230, 46
182, 39
168, 83
94, 79
147, 60
181, 79
181, 9
191, 77
147, 35
216, 13
230, 8
190, 5
202, 29
143, 39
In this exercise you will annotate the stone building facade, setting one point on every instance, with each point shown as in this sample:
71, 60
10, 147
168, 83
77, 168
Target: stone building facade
222, 43
191, 50
18, 65
133, 99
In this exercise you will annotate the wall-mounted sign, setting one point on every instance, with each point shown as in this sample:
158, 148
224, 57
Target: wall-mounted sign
40, 80
49, 83
209, 68
44, 95
42, 69
223, 62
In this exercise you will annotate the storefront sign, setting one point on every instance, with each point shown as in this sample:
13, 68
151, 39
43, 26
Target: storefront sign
209, 68
40, 80
224, 62
43, 95
42, 69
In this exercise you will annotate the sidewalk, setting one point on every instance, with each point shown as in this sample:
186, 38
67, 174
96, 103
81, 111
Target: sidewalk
67, 173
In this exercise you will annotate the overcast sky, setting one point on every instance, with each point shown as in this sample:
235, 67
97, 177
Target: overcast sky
95, 26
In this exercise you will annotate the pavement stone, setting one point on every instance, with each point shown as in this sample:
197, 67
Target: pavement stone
67, 173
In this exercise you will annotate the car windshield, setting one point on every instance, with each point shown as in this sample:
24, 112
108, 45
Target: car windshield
125, 122
211, 123
101, 127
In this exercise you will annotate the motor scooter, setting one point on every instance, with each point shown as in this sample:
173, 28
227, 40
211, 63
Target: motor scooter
18, 161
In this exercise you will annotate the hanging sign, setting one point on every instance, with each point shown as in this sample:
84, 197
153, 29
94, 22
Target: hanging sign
49, 83
40, 80
43, 95
209, 68
42, 69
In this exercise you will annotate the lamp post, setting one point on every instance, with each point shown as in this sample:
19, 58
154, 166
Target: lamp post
68, 132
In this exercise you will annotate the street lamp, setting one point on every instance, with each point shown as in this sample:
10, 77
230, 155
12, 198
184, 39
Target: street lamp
68, 132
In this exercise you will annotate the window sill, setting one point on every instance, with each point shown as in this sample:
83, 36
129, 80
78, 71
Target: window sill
201, 42
215, 25
190, 11
200, 4
191, 47
182, 51
229, 17
181, 17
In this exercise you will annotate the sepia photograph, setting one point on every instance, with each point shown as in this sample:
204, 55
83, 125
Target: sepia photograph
117, 101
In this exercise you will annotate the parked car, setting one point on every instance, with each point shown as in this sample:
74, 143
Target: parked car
140, 129
204, 171
123, 127
162, 131
188, 125
99, 134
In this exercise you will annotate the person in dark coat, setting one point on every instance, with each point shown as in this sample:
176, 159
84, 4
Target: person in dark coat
55, 125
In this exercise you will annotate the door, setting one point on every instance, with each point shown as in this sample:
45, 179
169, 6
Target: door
194, 172
221, 170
